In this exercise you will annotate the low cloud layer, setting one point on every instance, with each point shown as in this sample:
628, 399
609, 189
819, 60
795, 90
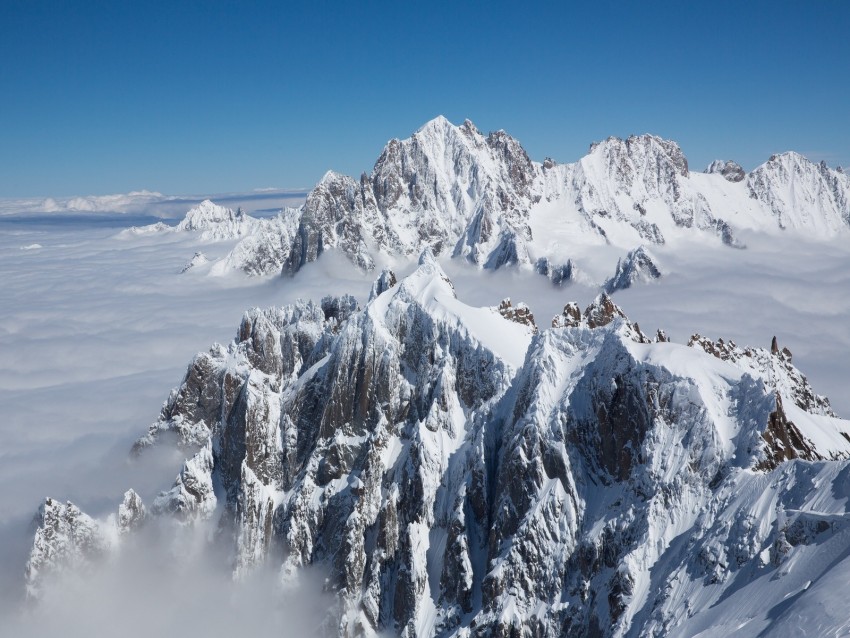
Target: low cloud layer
95, 331
170, 580
147, 203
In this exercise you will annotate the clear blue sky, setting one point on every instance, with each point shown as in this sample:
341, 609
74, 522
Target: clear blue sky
207, 97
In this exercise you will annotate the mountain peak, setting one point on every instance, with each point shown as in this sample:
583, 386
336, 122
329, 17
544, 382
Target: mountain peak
201, 216
428, 279
217, 222
642, 149
439, 123
469, 127
330, 177
427, 258
788, 157
638, 265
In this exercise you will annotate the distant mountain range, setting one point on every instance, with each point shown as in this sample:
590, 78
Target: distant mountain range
457, 192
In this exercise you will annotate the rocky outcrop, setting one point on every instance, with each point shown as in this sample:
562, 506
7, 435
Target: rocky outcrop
199, 259
65, 538
570, 317
131, 513
558, 275
638, 266
384, 282
773, 366
784, 441
520, 313
730, 170
601, 312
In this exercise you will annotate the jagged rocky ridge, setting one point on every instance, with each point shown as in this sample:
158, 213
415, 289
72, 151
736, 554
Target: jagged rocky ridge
458, 474
67, 538
730, 170
638, 266
481, 198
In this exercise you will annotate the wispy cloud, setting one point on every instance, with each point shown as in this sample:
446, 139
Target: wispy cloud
150, 203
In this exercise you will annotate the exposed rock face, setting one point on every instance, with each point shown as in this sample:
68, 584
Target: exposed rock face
601, 312
131, 512
641, 168
641, 182
193, 494
459, 475
732, 171
784, 441
65, 538
638, 266
570, 317
558, 275
281, 342
384, 282
520, 313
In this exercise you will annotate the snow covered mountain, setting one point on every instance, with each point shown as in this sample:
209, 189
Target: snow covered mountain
481, 198
446, 187
212, 222
461, 472
802, 195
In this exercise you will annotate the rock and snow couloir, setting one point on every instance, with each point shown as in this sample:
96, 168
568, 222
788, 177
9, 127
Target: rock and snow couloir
461, 473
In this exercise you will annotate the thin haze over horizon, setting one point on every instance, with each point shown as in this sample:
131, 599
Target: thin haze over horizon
201, 97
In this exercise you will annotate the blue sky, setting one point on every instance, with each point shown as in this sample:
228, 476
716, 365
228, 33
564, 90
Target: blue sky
209, 97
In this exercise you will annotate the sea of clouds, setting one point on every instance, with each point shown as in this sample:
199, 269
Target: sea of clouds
95, 329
